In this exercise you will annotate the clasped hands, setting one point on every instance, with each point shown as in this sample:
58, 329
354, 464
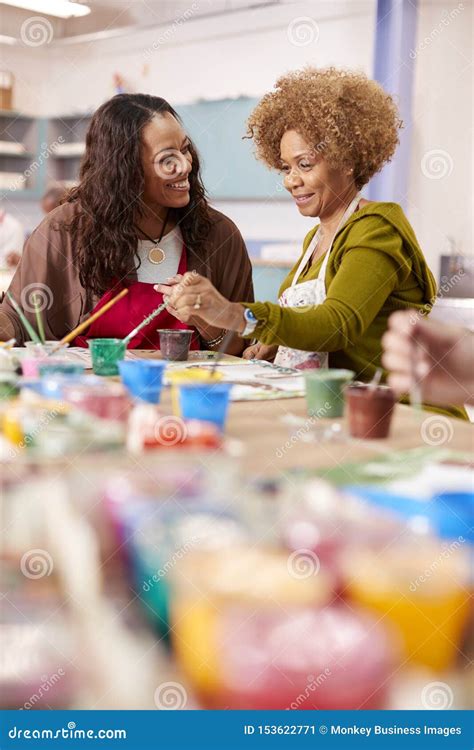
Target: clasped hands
194, 300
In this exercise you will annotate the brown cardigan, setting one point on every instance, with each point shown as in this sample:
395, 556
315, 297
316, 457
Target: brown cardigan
48, 264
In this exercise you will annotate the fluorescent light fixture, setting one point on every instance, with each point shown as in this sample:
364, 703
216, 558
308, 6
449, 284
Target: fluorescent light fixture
59, 8
7, 39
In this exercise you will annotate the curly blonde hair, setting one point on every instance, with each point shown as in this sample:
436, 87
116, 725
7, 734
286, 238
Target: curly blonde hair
346, 117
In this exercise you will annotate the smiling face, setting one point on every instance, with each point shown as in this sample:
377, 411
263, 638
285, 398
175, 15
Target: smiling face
317, 189
166, 162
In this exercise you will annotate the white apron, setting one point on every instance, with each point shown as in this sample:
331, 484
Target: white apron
309, 294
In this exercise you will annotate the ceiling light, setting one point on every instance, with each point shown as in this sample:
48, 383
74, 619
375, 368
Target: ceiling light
59, 8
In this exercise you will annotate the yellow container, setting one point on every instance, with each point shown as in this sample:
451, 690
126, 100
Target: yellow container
423, 590
188, 375
11, 426
206, 583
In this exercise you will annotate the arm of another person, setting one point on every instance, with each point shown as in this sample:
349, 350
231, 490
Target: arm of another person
368, 273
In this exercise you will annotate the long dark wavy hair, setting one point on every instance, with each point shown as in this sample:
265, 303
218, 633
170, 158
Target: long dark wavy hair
110, 188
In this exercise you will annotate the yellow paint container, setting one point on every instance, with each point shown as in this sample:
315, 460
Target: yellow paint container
206, 583
423, 590
185, 376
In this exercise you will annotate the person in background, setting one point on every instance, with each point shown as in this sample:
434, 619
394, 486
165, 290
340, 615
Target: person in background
12, 238
138, 216
441, 357
53, 197
328, 132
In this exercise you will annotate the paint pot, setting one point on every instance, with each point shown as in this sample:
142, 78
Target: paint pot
143, 378
106, 354
42, 350
163, 537
188, 375
370, 410
104, 401
61, 367
208, 402
175, 343
421, 586
208, 583
55, 374
300, 658
9, 387
325, 392
30, 365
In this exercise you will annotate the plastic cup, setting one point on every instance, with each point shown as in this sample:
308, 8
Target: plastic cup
208, 402
187, 376
106, 354
143, 378
175, 343
370, 410
30, 366
110, 402
206, 583
324, 392
8, 386
41, 350
422, 587
59, 367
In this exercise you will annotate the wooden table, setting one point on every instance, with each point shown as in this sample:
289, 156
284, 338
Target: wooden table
271, 446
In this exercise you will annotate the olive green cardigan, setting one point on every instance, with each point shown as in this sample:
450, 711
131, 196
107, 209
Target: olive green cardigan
376, 266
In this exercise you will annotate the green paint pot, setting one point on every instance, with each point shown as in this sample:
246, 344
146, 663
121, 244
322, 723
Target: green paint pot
325, 392
106, 354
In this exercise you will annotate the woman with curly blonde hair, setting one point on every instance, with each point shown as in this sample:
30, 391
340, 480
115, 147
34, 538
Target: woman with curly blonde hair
328, 132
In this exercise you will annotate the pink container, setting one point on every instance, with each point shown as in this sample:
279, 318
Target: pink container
30, 366
335, 658
111, 402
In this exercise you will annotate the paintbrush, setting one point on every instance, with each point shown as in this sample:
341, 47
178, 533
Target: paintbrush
416, 398
39, 320
144, 322
221, 351
86, 323
28, 327
376, 379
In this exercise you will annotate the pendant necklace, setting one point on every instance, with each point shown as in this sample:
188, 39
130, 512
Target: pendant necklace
156, 254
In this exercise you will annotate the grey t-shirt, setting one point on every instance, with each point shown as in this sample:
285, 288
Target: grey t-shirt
152, 273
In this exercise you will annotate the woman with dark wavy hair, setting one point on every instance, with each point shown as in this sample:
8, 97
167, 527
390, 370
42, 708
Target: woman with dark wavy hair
138, 217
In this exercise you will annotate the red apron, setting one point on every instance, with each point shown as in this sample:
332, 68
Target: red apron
128, 312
